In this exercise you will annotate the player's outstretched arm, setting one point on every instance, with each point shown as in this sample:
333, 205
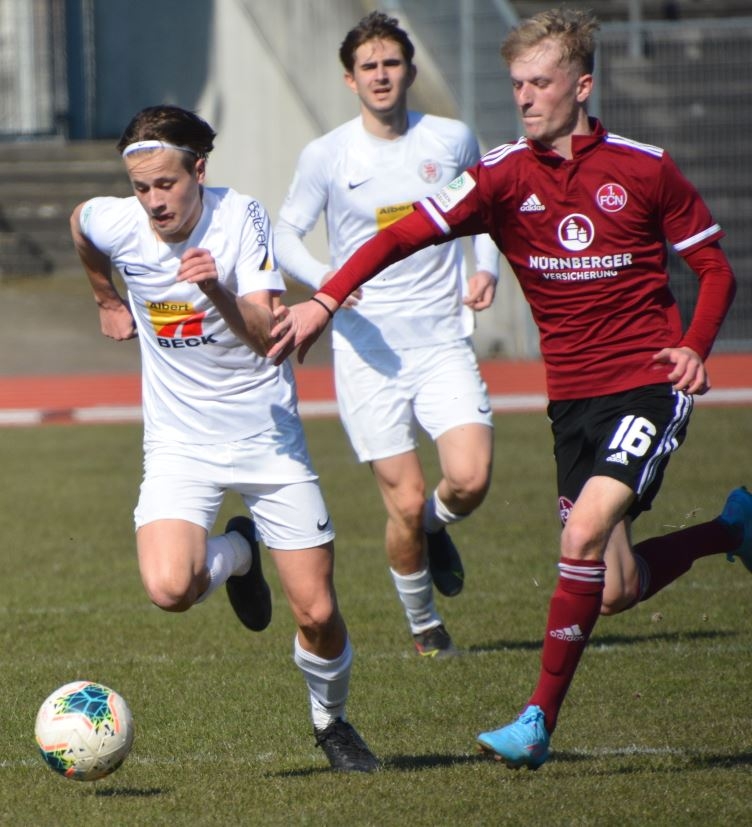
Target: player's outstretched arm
299, 326
115, 317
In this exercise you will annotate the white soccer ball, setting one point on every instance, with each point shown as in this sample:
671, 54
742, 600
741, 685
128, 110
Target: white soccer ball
84, 730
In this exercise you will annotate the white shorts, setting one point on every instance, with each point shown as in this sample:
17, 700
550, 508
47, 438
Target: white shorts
384, 395
271, 472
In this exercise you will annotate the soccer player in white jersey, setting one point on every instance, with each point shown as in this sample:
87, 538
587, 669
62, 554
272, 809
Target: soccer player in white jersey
402, 354
199, 267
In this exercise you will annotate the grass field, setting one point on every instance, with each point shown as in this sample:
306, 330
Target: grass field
657, 728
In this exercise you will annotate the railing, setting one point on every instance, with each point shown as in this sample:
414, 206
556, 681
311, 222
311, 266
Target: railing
33, 96
682, 85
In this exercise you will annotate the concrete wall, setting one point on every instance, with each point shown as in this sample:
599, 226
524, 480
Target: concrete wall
266, 75
148, 52
274, 82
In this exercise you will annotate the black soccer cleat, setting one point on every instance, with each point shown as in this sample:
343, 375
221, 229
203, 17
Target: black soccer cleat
250, 596
444, 562
345, 749
434, 643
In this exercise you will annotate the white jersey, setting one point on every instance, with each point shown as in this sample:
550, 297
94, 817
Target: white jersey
200, 383
364, 183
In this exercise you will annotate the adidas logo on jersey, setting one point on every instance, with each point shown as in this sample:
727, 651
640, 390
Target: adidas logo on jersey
620, 457
532, 204
571, 634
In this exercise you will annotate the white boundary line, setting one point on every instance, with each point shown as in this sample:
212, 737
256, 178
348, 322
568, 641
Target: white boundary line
501, 403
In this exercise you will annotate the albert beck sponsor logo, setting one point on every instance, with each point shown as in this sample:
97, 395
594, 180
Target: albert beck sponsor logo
178, 325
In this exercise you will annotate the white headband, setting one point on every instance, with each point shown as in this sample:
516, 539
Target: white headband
139, 145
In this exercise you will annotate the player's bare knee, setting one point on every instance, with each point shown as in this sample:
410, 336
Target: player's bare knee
470, 490
170, 603
409, 511
315, 619
579, 542
169, 597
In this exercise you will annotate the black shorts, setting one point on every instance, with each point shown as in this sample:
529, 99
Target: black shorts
629, 436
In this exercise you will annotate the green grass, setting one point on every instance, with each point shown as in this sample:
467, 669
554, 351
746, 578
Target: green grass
657, 728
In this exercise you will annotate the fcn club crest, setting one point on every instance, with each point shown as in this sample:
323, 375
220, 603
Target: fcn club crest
611, 197
565, 508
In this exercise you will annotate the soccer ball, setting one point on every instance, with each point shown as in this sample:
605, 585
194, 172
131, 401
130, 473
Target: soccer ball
84, 730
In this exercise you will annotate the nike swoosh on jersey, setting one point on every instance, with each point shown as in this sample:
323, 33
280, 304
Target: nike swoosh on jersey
353, 185
322, 524
129, 271
484, 409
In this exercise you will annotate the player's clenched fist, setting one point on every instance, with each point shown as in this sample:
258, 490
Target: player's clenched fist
198, 267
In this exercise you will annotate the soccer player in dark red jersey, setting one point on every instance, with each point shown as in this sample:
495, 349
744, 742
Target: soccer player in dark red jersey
583, 217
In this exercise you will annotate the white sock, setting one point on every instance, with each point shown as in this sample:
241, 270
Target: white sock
328, 682
436, 515
226, 555
416, 593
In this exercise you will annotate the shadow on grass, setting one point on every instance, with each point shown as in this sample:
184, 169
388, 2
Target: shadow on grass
403, 763
602, 640
706, 762
130, 792
662, 637
687, 759
411, 763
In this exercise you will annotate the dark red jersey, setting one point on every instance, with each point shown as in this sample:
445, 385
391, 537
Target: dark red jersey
586, 239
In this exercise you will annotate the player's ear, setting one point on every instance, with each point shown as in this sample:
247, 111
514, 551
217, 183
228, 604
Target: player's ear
412, 72
350, 82
200, 170
584, 87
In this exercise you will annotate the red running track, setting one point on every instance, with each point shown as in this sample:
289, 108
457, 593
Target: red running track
513, 386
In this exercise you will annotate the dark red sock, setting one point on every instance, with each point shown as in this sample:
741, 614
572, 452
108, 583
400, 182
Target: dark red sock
574, 608
662, 559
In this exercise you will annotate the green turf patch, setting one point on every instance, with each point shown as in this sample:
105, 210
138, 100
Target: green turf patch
656, 729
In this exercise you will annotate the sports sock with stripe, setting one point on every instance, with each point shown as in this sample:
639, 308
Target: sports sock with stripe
328, 682
572, 613
661, 560
415, 592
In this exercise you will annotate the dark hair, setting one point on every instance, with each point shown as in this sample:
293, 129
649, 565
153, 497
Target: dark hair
375, 26
572, 29
171, 124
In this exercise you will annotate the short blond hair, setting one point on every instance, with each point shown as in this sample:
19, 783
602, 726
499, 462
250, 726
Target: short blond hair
572, 29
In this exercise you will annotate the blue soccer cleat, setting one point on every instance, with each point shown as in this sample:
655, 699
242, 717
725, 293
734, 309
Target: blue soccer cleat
738, 512
521, 744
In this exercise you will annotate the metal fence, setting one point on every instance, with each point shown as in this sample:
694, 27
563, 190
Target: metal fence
682, 85
685, 86
33, 77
